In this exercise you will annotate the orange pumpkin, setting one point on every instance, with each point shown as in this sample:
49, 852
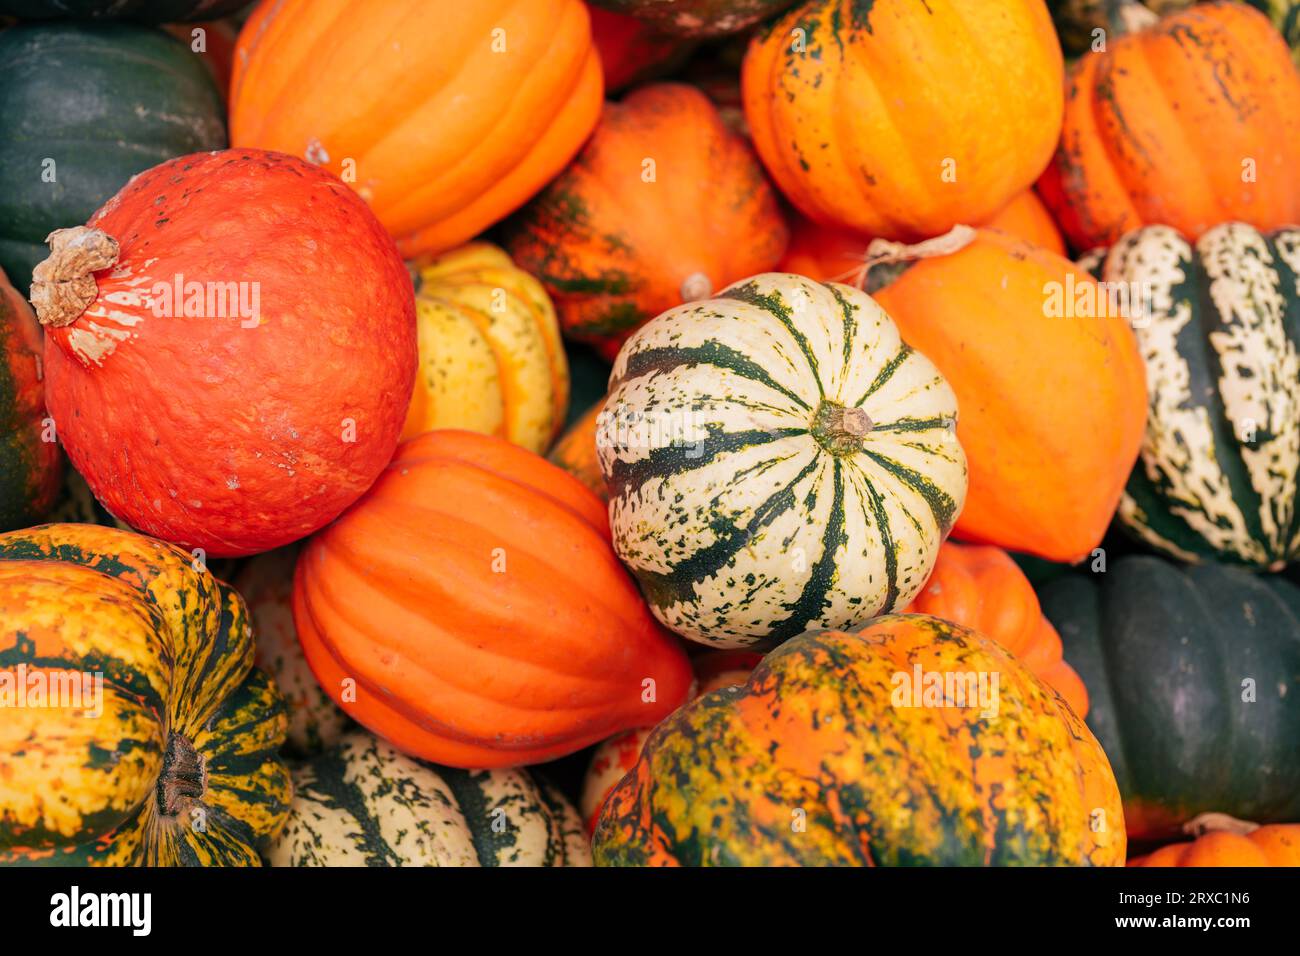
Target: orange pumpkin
575, 452
445, 117
1051, 407
902, 119
664, 205
1189, 121
470, 610
1239, 844
983, 589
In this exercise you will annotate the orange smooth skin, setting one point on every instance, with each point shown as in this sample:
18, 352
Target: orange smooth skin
1277, 844
860, 127
982, 588
448, 131
475, 599
1051, 410
1157, 129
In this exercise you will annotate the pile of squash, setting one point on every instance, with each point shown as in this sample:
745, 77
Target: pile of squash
706, 432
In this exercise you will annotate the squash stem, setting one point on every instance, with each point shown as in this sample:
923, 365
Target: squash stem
183, 776
840, 429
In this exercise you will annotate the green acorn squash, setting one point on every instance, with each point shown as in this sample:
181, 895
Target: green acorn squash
83, 108
146, 11
1193, 676
169, 756
364, 803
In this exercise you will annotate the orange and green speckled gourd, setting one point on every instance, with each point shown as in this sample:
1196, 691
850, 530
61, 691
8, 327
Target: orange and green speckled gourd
810, 763
180, 766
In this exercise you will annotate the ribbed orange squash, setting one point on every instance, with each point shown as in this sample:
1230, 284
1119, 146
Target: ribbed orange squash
445, 116
1277, 844
1189, 122
902, 119
1052, 408
575, 452
470, 610
664, 205
983, 589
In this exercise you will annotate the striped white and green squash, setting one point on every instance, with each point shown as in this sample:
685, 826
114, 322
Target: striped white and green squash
1220, 336
778, 461
365, 803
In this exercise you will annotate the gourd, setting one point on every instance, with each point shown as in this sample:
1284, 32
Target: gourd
778, 461
170, 759
365, 803
500, 629
83, 108
664, 205
697, 18
1187, 121
826, 758
1192, 673
1225, 841
901, 120
1219, 330
227, 400
575, 451
439, 154
491, 359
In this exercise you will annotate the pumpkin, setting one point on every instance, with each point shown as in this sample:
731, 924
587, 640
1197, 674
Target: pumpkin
778, 460
500, 629
664, 205
832, 254
1050, 386
575, 451
67, 145
30, 463
149, 11
982, 588
1190, 121
439, 154
900, 119
1081, 24
831, 755
1231, 843
276, 382
1192, 673
491, 359
697, 18
265, 582
613, 758
632, 52
1219, 329
1285, 15
170, 759
365, 803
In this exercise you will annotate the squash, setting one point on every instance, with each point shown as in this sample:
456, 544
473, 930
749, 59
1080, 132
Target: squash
83, 108
1285, 15
265, 582
444, 116
365, 803
285, 377
1050, 386
500, 629
614, 758
1192, 674
982, 588
148, 11
900, 119
1224, 841
1219, 330
831, 755
1082, 24
170, 757
218, 39
1189, 121
491, 359
30, 464
664, 205
778, 460
575, 452
631, 52
697, 18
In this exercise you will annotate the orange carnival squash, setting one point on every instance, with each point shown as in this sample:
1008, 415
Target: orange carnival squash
1231, 843
475, 601
575, 452
1051, 396
835, 254
445, 116
902, 119
1189, 121
983, 589
664, 205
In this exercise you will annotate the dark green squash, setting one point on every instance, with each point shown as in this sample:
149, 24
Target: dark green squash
1166, 652
697, 18
83, 108
146, 11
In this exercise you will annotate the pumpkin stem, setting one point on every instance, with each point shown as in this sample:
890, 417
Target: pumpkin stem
1131, 16
840, 429
64, 284
1218, 822
696, 286
882, 253
183, 776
